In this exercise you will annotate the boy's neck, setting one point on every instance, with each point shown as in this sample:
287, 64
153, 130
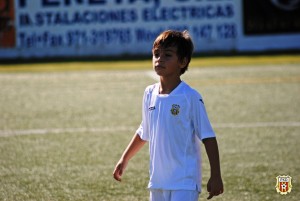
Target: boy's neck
168, 85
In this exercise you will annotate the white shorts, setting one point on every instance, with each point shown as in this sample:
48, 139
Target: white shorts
176, 195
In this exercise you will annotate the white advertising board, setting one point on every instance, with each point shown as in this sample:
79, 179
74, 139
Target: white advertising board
47, 28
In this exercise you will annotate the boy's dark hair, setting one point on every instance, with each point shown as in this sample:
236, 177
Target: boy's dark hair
181, 40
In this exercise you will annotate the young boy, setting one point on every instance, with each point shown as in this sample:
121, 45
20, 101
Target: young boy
174, 119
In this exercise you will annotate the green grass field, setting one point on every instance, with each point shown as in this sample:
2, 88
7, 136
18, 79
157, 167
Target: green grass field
62, 129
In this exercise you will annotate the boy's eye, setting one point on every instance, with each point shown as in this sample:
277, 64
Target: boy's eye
156, 55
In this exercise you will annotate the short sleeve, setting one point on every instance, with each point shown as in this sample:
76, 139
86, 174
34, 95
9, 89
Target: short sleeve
143, 130
140, 131
202, 126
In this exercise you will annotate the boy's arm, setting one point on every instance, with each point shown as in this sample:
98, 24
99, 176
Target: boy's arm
215, 184
133, 147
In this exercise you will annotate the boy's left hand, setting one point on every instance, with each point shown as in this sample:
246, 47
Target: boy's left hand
214, 187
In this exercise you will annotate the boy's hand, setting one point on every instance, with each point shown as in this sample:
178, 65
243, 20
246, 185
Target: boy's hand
134, 146
119, 169
214, 187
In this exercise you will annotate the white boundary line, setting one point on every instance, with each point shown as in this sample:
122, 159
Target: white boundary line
8, 133
257, 125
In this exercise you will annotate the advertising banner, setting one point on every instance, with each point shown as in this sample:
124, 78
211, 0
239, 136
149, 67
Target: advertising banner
7, 28
63, 28
114, 27
271, 17
270, 25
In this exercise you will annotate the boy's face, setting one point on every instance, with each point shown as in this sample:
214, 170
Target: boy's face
165, 61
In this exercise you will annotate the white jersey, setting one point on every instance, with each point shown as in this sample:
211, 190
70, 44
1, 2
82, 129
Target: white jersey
173, 125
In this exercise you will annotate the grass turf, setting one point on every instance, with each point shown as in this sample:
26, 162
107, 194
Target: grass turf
228, 61
78, 165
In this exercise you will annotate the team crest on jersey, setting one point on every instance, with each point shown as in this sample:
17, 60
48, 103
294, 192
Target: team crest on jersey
175, 109
284, 184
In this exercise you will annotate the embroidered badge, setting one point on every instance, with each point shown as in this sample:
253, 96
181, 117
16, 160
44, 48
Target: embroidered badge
284, 184
175, 109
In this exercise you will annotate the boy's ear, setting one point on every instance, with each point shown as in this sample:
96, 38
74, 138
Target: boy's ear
184, 62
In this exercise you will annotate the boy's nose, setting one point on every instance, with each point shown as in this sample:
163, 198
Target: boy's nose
160, 58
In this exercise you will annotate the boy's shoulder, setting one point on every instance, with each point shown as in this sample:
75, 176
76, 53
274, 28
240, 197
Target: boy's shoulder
151, 87
190, 90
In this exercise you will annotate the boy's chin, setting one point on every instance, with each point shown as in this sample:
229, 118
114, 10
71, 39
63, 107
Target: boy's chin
158, 71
